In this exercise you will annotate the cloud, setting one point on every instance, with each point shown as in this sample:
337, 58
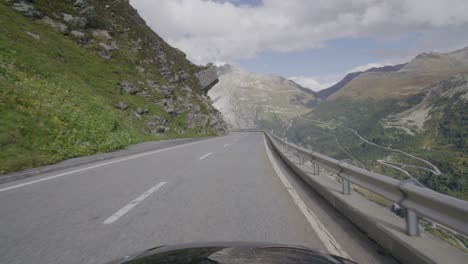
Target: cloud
312, 83
229, 31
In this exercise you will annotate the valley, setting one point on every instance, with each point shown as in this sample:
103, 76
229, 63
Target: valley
408, 121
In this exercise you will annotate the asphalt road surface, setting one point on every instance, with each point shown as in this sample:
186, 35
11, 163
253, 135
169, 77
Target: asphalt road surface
228, 188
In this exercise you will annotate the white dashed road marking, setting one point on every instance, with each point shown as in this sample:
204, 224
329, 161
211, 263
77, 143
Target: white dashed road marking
206, 155
134, 203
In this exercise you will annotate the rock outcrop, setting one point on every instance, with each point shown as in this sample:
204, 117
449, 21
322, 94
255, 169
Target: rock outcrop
208, 77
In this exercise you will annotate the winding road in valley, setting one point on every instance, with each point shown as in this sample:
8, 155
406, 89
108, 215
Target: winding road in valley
434, 169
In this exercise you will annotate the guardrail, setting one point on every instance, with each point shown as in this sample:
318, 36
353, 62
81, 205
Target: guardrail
418, 201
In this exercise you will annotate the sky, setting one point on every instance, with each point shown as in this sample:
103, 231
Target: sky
312, 42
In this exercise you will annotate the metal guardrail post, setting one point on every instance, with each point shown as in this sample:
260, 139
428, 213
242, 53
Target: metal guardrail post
412, 223
346, 186
301, 159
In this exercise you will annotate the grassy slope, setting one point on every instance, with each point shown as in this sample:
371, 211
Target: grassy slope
56, 97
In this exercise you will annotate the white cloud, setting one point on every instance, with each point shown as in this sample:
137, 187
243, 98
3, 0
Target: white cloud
312, 83
222, 31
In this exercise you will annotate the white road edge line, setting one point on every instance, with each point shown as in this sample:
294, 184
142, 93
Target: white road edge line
134, 203
227, 145
206, 155
96, 166
327, 239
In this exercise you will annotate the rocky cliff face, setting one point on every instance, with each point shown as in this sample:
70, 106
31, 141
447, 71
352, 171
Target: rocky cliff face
247, 100
93, 69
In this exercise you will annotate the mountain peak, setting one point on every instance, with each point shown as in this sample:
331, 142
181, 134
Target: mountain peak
247, 99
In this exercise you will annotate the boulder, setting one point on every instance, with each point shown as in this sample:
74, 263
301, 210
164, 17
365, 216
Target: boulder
167, 94
213, 120
154, 127
26, 9
187, 90
77, 34
80, 3
90, 14
186, 105
155, 118
121, 105
202, 120
196, 109
104, 34
180, 100
162, 129
104, 54
78, 22
165, 122
183, 75
165, 71
150, 124
67, 17
127, 87
58, 26
34, 36
172, 111
141, 111
111, 47
190, 120
160, 120
174, 79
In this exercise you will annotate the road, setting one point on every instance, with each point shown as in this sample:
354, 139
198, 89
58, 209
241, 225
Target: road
222, 189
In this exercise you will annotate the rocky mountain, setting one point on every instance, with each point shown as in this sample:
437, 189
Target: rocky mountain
438, 101
409, 123
418, 74
248, 100
84, 76
323, 94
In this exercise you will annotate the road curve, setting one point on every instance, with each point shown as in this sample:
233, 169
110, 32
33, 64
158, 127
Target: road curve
222, 189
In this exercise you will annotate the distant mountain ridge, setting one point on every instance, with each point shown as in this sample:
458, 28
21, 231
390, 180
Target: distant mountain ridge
412, 78
323, 94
